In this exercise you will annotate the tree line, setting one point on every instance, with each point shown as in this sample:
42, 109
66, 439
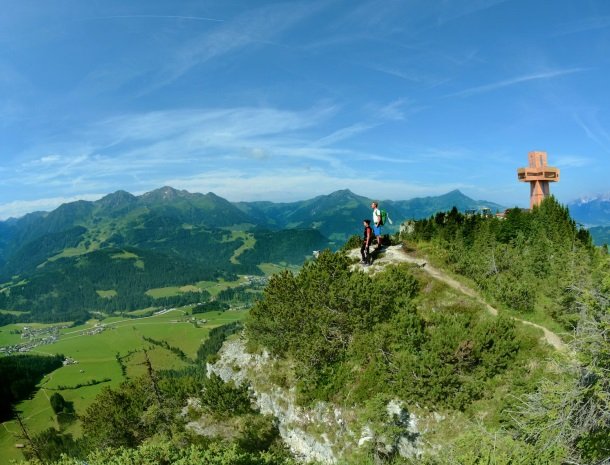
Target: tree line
20, 374
526, 260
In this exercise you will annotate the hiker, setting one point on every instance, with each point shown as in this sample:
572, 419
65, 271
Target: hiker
368, 238
377, 223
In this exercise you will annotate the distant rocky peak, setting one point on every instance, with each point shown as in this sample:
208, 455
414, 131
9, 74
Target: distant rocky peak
164, 193
455, 193
117, 199
592, 198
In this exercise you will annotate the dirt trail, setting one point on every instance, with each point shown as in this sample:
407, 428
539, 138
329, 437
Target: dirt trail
396, 254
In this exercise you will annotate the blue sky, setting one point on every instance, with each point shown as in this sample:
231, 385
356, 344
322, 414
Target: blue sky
282, 101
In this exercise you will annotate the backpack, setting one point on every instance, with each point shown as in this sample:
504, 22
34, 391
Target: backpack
383, 217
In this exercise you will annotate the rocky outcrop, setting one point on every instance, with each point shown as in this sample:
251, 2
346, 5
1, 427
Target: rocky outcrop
323, 433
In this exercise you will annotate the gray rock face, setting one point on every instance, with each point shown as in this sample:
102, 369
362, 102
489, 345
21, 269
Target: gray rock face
324, 433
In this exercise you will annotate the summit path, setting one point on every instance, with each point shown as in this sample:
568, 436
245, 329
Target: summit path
396, 254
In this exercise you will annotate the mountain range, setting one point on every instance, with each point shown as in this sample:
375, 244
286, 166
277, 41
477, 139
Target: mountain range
594, 213
121, 218
107, 254
591, 211
71, 259
152, 219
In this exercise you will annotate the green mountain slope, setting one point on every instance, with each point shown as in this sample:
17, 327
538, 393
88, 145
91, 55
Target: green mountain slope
592, 211
104, 255
600, 235
395, 363
204, 235
339, 215
424, 207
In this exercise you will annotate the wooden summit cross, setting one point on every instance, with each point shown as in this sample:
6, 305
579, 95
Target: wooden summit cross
538, 174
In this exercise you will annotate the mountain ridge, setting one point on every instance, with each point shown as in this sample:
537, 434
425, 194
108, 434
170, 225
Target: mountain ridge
591, 211
337, 215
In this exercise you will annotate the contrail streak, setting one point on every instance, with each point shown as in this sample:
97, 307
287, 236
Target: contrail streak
509, 82
191, 18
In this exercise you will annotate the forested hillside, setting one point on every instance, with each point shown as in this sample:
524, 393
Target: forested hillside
105, 255
364, 340
534, 262
542, 266
362, 337
20, 374
354, 336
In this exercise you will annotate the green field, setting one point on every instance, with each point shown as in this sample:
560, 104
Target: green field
272, 268
107, 294
163, 292
249, 242
66, 253
96, 357
12, 312
213, 287
216, 287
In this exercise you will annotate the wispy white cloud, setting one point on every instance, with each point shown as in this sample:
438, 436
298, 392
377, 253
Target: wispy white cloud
252, 28
583, 25
393, 111
223, 123
291, 185
426, 79
343, 134
18, 208
572, 161
263, 152
593, 129
516, 80
143, 146
450, 10
189, 18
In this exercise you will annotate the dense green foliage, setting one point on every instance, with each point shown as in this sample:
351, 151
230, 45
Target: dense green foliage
66, 288
60, 405
177, 351
211, 306
573, 409
213, 343
238, 294
481, 447
50, 444
566, 419
20, 374
224, 399
349, 332
354, 242
526, 260
365, 339
167, 453
532, 261
124, 416
105, 255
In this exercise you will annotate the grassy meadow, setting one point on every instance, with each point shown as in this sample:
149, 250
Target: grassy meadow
96, 355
